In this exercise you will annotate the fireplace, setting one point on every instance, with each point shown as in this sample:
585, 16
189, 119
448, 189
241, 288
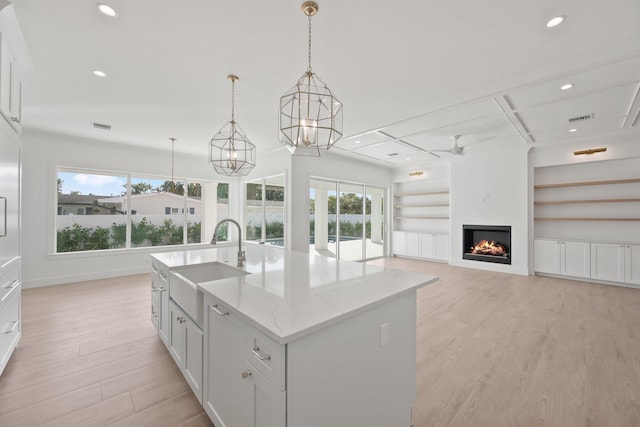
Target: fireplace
488, 243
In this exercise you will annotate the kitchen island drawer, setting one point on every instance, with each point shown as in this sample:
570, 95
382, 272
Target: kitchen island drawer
267, 356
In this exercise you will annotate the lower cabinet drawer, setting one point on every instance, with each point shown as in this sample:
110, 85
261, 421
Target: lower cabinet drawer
9, 325
267, 356
9, 280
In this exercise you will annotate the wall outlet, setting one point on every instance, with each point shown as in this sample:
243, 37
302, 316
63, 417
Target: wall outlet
384, 334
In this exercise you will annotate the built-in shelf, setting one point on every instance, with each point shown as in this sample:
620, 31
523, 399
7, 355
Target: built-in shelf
579, 184
421, 194
420, 217
585, 219
431, 205
563, 202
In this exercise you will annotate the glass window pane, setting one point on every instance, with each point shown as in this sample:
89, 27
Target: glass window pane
253, 211
90, 213
157, 216
195, 209
350, 227
222, 210
322, 218
274, 210
374, 230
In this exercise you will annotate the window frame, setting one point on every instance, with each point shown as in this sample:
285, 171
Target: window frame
57, 169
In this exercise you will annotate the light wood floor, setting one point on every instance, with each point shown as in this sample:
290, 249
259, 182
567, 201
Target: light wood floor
493, 350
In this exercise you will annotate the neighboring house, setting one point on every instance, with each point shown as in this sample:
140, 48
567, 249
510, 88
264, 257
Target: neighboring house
81, 204
155, 204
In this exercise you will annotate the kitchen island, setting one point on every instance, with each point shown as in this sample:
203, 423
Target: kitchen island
300, 340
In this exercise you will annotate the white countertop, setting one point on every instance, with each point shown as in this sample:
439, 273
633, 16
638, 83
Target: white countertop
291, 294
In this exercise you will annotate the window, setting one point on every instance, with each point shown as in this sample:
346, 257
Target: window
97, 211
264, 210
346, 220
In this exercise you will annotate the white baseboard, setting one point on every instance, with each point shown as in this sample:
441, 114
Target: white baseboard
71, 278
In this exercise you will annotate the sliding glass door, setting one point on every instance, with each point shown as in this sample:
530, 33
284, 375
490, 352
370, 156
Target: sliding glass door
346, 220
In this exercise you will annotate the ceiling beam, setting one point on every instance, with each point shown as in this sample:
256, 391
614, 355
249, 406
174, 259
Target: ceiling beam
503, 104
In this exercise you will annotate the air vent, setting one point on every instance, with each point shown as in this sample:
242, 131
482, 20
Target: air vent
393, 154
581, 118
101, 126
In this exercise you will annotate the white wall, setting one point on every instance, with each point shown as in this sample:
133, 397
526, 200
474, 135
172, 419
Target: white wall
491, 188
42, 152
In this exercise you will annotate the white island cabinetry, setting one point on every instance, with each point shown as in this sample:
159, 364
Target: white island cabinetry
296, 340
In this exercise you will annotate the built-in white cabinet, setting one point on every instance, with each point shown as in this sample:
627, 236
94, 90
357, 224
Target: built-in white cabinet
600, 261
186, 347
421, 245
10, 307
160, 299
615, 262
562, 257
10, 86
244, 374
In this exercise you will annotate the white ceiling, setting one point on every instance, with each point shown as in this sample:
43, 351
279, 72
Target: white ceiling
411, 74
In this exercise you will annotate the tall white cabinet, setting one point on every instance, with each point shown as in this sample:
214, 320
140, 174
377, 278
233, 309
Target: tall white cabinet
10, 179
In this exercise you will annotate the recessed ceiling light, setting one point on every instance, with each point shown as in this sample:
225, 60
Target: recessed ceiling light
566, 86
99, 73
554, 22
408, 158
357, 142
107, 10
573, 130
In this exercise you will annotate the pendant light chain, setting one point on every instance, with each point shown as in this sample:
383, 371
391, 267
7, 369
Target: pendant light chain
233, 99
309, 67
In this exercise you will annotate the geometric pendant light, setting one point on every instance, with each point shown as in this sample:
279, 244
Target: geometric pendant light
310, 115
230, 151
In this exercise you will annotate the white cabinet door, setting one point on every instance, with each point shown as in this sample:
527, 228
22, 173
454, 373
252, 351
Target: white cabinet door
227, 394
266, 404
427, 245
575, 259
442, 247
632, 264
10, 86
607, 262
164, 319
194, 338
155, 307
399, 243
413, 245
176, 334
546, 256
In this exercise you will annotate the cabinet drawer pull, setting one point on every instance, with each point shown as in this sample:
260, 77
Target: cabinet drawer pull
246, 374
13, 328
154, 268
153, 290
164, 276
11, 285
256, 352
221, 313
15, 119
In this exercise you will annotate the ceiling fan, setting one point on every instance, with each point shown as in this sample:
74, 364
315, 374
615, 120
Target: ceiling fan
456, 149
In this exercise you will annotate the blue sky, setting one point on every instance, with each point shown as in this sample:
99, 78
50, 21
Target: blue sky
99, 185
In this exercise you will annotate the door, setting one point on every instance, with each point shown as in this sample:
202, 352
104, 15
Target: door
227, 399
632, 264
176, 334
399, 243
607, 262
575, 259
9, 198
427, 246
375, 235
350, 222
164, 319
442, 247
266, 404
546, 256
194, 337
155, 307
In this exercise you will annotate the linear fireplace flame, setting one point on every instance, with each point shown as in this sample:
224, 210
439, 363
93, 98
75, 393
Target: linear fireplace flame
484, 247
489, 243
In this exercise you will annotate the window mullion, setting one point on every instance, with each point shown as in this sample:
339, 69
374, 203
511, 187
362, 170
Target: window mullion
129, 222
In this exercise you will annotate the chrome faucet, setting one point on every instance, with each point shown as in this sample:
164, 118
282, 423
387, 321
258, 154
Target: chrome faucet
241, 255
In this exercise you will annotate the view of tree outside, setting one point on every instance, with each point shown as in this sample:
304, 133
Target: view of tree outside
93, 211
264, 210
359, 207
